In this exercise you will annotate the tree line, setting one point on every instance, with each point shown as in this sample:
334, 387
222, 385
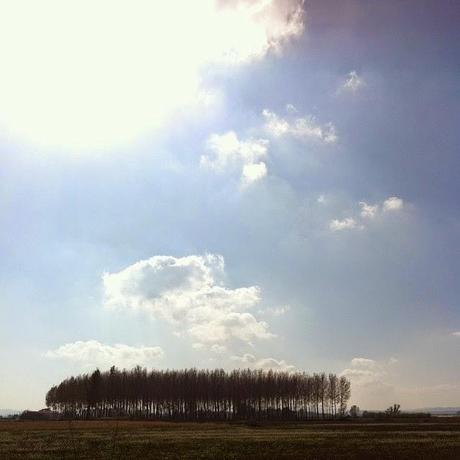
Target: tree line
192, 394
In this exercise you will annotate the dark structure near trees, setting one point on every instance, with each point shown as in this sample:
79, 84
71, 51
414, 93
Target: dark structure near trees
192, 394
43, 414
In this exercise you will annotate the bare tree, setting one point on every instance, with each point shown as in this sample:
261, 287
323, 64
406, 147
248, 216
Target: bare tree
393, 410
192, 394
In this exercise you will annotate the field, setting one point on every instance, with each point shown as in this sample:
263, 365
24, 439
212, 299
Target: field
435, 438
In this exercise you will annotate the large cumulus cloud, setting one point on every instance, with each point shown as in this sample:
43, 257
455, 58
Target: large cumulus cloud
188, 293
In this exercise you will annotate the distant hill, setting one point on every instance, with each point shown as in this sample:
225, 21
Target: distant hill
6, 412
440, 410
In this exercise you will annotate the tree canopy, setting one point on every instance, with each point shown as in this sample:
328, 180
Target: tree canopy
192, 394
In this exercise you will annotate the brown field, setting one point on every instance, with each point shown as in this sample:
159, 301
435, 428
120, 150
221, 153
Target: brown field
435, 438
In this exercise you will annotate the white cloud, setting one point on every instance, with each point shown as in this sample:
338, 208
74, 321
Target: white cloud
227, 149
456, 333
99, 73
227, 152
306, 128
279, 311
271, 363
262, 25
353, 82
188, 293
253, 172
93, 353
345, 224
250, 361
368, 210
361, 376
393, 204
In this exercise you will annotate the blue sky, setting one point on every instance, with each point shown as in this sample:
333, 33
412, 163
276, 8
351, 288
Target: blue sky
181, 195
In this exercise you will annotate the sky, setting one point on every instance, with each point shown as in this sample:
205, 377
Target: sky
231, 183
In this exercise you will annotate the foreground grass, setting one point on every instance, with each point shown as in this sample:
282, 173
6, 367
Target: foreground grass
104, 440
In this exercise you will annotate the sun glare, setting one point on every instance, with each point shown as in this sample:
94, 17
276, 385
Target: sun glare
94, 74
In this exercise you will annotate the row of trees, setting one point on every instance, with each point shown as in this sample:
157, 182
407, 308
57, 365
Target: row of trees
192, 394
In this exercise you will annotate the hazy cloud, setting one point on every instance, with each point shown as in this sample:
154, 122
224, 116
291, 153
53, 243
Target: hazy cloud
305, 128
368, 212
363, 363
353, 82
250, 361
94, 353
371, 382
376, 385
321, 199
344, 224
278, 311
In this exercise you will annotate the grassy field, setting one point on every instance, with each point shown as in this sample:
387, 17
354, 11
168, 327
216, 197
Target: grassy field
431, 439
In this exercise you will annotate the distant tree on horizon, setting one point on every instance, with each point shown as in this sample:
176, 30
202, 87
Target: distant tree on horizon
395, 409
354, 411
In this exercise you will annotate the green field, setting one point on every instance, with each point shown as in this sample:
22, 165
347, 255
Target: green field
434, 439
